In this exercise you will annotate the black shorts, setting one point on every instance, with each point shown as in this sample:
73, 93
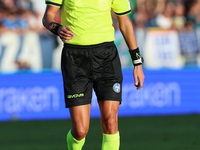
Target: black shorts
86, 67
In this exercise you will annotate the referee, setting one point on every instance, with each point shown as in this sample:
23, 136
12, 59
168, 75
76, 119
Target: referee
90, 60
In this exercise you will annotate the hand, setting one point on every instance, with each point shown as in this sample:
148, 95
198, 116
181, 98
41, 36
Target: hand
65, 33
138, 75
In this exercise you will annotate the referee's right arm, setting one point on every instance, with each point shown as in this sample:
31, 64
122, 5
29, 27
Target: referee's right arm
48, 21
49, 15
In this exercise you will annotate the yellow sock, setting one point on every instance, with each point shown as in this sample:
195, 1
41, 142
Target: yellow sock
74, 144
111, 141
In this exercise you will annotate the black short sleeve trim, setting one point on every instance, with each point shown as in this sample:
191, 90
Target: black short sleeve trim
124, 13
52, 3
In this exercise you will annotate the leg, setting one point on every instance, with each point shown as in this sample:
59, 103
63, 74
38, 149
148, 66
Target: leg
109, 116
109, 123
80, 117
107, 85
76, 66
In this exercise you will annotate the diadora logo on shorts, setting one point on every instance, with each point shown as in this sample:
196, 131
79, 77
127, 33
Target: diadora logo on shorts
75, 96
116, 87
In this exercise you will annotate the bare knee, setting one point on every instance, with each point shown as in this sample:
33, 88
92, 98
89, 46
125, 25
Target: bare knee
79, 132
110, 124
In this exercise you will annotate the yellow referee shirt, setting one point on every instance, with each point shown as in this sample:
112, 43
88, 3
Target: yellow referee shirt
90, 20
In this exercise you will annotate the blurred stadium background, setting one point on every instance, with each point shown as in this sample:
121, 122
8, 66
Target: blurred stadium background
164, 115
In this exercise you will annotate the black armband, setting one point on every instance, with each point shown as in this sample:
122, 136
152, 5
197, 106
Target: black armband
53, 27
136, 57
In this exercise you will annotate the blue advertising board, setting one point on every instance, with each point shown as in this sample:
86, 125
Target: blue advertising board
36, 96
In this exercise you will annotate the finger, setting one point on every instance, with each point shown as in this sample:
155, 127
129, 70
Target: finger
67, 30
140, 85
68, 33
136, 81
67, 38
63, 36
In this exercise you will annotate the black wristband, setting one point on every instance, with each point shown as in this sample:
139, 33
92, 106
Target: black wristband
136, 57
53, 27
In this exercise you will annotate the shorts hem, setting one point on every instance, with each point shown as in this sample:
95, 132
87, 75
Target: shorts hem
110, 99
68, 106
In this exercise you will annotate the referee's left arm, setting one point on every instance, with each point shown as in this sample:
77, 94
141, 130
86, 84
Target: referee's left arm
126, 28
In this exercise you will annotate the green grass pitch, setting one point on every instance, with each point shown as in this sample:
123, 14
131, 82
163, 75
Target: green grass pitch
137, 133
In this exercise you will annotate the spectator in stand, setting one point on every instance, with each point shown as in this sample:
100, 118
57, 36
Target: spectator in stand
24, 4
192, 14
179, 19
198, 14
141, 19
151, 12
140, 16
38, 9
13, 22
30, 19
8, 4
2, 16
165, 19
145, 14
33, 11
22, 15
